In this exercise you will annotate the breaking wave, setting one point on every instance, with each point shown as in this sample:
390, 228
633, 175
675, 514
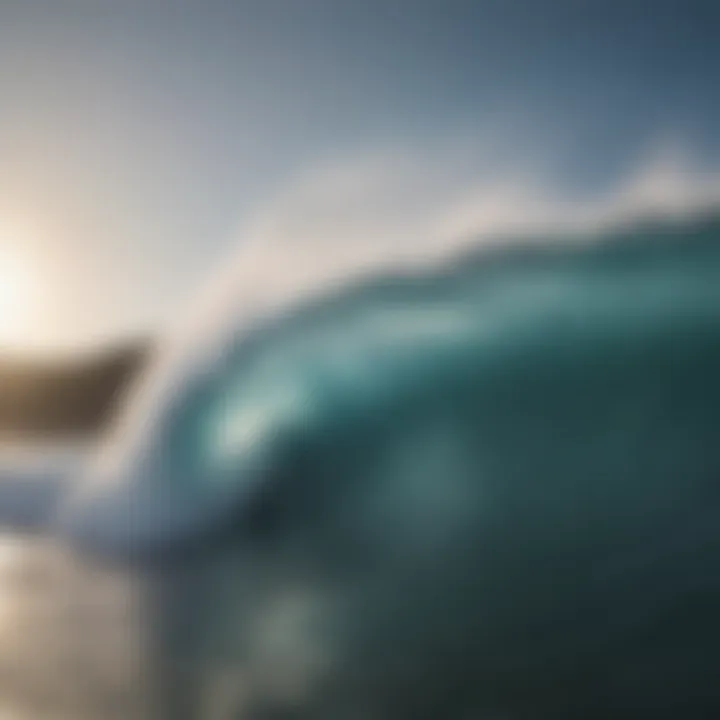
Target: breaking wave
487, 483
491, 353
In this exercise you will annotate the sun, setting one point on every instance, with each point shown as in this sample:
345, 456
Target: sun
15, 294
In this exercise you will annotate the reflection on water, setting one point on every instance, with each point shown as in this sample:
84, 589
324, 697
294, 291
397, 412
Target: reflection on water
81, 640
71, 637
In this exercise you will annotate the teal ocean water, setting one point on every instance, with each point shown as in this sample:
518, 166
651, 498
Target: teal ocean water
486, 490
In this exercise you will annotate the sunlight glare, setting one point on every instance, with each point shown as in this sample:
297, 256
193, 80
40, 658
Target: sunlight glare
15, 295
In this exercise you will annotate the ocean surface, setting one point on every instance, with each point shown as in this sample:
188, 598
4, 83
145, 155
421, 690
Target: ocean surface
85, 640
488, 491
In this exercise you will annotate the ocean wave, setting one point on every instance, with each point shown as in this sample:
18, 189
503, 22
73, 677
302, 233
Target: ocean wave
598, 331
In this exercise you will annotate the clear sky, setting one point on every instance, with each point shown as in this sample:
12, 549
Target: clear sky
141, 139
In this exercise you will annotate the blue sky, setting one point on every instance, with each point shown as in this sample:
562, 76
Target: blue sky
139, 141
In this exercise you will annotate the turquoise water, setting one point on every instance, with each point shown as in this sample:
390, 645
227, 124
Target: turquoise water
489, 491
